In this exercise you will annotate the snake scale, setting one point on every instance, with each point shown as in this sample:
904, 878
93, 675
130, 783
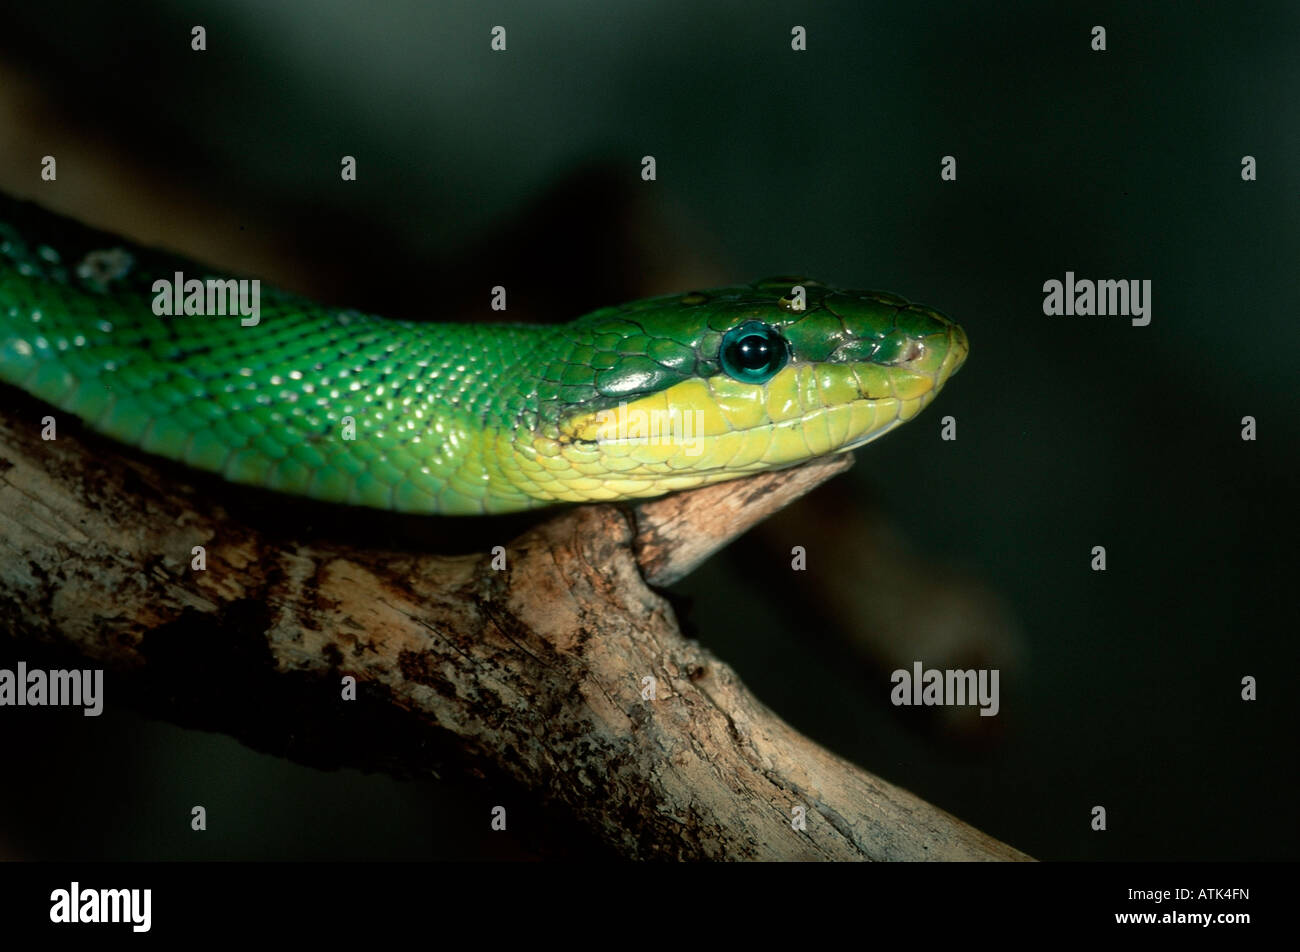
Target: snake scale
626, 402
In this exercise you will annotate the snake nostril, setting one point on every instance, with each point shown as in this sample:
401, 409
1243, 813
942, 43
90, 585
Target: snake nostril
914, 350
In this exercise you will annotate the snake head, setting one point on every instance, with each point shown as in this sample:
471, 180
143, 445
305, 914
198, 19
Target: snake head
692, 389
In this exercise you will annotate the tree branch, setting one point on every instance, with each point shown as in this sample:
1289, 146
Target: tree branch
534, 672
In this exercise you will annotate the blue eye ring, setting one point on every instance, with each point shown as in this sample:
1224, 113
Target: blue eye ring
753, 352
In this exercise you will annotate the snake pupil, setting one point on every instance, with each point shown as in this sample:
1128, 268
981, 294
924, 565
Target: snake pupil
753, 352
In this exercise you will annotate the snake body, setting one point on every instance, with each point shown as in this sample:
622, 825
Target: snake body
456, 419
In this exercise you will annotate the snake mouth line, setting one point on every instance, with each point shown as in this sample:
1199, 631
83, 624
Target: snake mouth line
809, 418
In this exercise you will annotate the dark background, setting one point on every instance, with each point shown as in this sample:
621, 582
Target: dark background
1121, 688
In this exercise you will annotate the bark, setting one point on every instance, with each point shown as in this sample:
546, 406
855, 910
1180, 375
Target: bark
537, 671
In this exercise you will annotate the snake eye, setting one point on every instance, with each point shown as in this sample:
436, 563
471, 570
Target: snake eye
753, 352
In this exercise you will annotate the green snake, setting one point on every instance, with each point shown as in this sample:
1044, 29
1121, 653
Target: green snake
626, 402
